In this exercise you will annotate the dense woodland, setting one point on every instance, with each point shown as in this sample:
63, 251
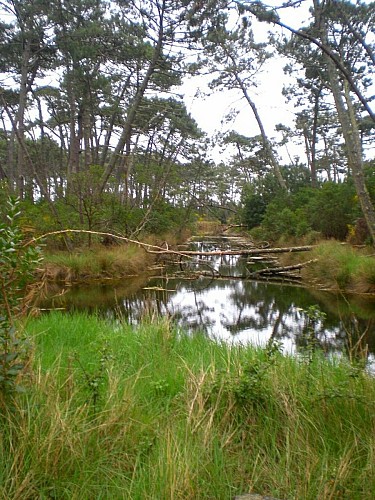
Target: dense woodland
111, 146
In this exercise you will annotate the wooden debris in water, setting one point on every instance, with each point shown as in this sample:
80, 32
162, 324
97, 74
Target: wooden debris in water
157, 288
281, 270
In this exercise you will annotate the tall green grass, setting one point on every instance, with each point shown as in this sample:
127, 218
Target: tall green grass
342, 267
98, 262
114, 411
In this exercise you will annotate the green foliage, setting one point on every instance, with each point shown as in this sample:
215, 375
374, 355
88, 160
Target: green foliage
328, 210
333, 209
17, 265
164, 218
254, 208
284, 223
95, 377
369, 169
283, 219
246, 390
297, 178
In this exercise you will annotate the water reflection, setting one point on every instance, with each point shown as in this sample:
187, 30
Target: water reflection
237, 310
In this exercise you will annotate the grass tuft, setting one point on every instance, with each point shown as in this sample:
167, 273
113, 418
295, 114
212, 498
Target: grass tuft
99, 262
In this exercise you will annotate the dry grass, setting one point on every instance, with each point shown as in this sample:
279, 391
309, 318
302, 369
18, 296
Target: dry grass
117, 261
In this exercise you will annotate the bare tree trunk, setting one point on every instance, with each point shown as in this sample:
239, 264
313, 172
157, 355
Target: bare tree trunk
73, 162
134, 106
86, 132
20, 168
314, 138
349, 129
265, 141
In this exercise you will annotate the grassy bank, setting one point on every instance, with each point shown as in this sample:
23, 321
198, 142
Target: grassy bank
149, 412
343, 267
338, 267
96, 263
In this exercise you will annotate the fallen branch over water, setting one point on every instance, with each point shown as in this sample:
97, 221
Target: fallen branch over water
250, 251
155, 249
281, 269
100, 233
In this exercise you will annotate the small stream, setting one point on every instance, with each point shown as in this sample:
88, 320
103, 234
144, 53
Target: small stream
233, 309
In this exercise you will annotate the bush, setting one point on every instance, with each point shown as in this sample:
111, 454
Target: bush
253, 210
165, 217
329, 211
283, 222
333, 209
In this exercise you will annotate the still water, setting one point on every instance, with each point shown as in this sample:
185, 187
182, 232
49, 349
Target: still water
234, 309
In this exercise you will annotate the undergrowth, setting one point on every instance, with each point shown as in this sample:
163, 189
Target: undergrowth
114, 411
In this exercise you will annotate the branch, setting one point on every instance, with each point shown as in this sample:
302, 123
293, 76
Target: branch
155, 249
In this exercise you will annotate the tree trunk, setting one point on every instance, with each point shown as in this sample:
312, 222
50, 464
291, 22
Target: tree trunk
73, 162
266, 143
314, 138
134, 106
20, 166
349, 129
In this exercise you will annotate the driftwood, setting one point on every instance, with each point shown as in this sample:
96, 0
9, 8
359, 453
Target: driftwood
250, 251
281, 270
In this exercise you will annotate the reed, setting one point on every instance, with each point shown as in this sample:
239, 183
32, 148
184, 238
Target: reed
114, 411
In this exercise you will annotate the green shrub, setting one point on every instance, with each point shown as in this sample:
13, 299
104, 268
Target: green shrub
332, 209
253, 210
17, 264
279, 223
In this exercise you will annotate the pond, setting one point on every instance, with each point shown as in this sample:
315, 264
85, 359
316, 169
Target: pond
233, 309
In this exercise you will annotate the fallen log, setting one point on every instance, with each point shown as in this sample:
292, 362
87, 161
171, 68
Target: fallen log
281, 269
250, 251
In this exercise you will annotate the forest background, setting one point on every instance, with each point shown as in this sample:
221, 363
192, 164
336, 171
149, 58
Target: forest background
95, 131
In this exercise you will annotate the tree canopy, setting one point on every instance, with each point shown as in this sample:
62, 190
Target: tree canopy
95, 124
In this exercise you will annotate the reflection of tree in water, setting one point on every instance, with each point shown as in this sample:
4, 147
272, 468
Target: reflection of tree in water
255, 306
195, 318
315, 335
359, 339
331, 334
239, 305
